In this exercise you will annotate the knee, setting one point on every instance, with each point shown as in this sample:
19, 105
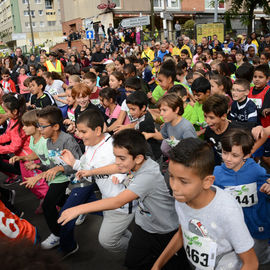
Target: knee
107, 242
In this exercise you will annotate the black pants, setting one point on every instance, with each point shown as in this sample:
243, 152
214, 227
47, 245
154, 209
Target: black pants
9, 168
144, 248
55, 196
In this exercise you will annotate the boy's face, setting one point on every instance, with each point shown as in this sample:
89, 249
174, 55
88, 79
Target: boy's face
239, 57
186, 185
135, 111
234, 160
259, 79
214, 122
46, 129
34, 88
89, 83
201, 97
29, 130
239, 93
167, 113
5, 77
124, 161
88, 136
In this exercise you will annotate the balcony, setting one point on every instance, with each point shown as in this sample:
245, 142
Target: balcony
51, 15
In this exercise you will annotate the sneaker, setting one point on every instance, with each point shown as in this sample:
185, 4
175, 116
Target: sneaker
12, 180
12, 196
65, 254
51, 242
80, 219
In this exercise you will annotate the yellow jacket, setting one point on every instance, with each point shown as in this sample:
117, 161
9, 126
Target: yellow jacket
149, 54
185, 47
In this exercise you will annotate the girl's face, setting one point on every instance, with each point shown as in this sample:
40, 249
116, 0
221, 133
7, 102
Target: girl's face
48, 80
72, 58
164, 82
114, 83
199, 50
263, 59
83, 101
29, 130
220, 57
118, 66
10, 114
22, 71
199, 66
239, 57
71, 82
70, 99
167, 113
104, 102
215, 88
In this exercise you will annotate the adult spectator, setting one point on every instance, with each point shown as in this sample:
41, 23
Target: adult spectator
83, 60
101, 32
198, 54
110, 32
18, 53
230, 42
116, 40
98, 58
186, 46
265, 43
32, 61
177, 28
73, 62
148, 53
53, 64
162, 51
254, 40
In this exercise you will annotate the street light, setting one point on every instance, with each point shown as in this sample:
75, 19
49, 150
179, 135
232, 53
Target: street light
31, 27
216, 11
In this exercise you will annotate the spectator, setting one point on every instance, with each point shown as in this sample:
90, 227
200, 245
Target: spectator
110, 32
177, 28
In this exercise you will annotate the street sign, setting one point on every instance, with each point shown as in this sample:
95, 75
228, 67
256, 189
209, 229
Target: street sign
137, 21
90, 34
88, 23
18, 36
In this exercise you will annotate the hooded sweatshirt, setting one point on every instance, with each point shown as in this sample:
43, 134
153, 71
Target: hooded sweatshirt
245, 186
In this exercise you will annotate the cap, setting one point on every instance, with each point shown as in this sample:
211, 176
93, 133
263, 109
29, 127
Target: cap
157, 59
225, 42
267, 35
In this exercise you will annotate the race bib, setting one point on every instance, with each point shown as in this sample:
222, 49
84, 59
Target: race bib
258, 102
246, 195
201, 251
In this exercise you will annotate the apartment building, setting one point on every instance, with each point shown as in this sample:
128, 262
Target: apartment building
46, 22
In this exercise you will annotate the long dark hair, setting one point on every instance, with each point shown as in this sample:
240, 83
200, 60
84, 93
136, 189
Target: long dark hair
17, 102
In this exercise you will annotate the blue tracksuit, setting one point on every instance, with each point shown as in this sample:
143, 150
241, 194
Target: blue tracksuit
257, 217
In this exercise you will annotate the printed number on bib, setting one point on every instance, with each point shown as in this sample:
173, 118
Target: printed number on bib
201, 251
258, 102
246, 195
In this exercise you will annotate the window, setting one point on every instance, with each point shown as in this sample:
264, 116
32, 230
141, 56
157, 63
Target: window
209, 4
37, 1
27, 25
25, 2
117, 2
40, 12
48, 4
51, 23
173, 4
25, 13
41, 24
159, 4
34, 24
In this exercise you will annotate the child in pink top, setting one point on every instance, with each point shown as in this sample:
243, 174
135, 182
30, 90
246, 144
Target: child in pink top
107, 97
21, 78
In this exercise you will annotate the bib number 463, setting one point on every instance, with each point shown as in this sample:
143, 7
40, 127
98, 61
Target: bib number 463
196, 257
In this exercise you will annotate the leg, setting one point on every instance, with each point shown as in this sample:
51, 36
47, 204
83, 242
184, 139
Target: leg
114, 235
54, 195
77, 196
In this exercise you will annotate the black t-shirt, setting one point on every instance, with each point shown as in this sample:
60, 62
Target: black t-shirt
146, 124
214, 139
78, 110
98, 57
45, 100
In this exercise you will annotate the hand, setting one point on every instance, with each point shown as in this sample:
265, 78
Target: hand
265, 112
14, 159
68, 157
67, 122
265, 188
119, 128
83, 173
31, 165
68, 215
51, 173
115, 180
146, 135
31, 181
71, 129
258, 132
149, 95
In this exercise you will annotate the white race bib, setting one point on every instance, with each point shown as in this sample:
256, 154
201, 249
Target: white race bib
258, 102
246, 195
201, 251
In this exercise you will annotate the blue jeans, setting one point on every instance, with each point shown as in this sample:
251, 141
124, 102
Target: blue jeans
77, 196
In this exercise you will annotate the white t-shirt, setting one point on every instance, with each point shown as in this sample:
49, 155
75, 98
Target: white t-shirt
125, 108
220, 224
98, 156
54, 89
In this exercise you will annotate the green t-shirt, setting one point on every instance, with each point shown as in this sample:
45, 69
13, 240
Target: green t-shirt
198, 115
2, 111
188, 112
41, 150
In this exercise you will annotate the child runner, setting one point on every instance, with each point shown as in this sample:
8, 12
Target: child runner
24, 90
7, 84
243, 178
116, 82
55, 171
212, 229
155, 217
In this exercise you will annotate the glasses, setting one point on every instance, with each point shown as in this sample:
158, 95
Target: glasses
43, 127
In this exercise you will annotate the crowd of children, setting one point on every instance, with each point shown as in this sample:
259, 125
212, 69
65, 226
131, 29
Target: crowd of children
174, 146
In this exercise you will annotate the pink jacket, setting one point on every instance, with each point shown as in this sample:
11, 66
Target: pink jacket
20, 80
19, 141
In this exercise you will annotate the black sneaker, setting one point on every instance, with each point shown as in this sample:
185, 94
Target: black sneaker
65, 254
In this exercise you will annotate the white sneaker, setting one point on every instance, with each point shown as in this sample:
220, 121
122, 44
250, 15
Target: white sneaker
51, 242
80, 219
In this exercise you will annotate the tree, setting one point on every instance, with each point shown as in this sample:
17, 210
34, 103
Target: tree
247, 7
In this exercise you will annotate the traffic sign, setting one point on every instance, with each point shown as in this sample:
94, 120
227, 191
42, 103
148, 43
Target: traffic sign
90, 34
137, 21
88, 23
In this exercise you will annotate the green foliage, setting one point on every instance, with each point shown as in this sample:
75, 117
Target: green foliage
188, 28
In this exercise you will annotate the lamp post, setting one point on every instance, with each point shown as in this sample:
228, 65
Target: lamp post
216, 11
31, 27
